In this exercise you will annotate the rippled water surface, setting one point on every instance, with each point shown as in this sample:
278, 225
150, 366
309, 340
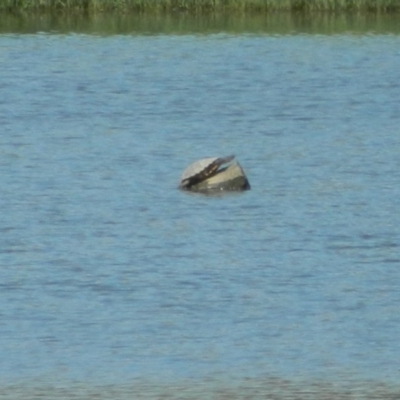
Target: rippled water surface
110, 275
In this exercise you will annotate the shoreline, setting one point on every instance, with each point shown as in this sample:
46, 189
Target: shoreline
248, 388
203, 6
279, 23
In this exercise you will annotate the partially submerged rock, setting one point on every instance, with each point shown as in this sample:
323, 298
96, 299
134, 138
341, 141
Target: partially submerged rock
214, 174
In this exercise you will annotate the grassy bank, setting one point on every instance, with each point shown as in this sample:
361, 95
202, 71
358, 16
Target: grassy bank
280, 23
202, 5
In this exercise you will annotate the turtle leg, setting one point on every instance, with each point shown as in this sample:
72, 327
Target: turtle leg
224, 160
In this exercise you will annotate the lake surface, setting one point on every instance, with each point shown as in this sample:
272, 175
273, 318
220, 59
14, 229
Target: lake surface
115, 284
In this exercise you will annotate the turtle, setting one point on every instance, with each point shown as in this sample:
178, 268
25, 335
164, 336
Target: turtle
201, 170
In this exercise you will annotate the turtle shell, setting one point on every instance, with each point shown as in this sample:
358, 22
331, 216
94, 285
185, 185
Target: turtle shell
202, 170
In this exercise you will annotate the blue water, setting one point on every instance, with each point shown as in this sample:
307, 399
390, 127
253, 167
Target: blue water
109, 273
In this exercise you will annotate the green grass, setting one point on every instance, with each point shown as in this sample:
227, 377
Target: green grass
203, 5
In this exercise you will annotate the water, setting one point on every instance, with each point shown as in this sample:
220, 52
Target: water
111, 276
